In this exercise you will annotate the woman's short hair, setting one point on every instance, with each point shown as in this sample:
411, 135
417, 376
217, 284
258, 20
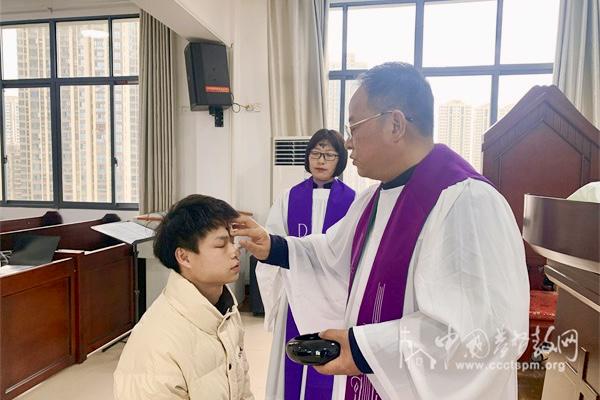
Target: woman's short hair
337, 142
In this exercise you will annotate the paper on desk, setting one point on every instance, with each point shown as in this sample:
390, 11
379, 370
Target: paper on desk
13, 269
126, 231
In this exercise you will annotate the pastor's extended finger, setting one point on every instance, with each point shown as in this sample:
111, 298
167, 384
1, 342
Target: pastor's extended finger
250, 232
244, 220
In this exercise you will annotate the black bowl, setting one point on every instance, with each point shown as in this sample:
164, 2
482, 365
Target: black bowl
310, 349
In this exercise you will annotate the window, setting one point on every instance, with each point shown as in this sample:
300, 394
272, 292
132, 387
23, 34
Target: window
70, 112
82, 48
27, 144
391, 38
480, 57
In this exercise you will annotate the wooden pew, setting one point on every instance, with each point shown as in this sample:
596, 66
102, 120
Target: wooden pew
38, 325
50, 218
73, 236
543, 146
103, 281
567, 234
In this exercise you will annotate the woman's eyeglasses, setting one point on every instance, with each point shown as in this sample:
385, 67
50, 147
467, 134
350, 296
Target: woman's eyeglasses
315, 155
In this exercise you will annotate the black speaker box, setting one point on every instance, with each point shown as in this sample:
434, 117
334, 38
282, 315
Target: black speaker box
207, 75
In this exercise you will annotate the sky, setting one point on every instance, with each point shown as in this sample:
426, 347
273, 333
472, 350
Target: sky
454, 35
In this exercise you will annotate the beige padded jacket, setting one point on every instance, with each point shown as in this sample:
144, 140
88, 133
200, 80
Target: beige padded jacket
184, 348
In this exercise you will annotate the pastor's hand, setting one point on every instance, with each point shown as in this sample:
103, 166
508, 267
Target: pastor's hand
344, 364
259, 243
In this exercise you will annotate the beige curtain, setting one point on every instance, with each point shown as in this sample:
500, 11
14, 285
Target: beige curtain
157, 152
297, 70
577, 63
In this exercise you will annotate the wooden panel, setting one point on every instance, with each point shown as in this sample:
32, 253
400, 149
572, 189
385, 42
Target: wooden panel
543, 146
567, 234
19, 224
37, 325
581, 378
50, 218
558, 176
106, 298
76, 236
563, 229
65, 315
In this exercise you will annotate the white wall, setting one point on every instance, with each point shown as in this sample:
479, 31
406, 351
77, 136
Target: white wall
203, 150
215, 16
189, 18
232, 162
251, 130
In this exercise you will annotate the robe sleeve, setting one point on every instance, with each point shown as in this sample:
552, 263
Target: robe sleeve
472, 301
270, 278
319, 272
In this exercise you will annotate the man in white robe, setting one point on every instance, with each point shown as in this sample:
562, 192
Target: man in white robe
462, 313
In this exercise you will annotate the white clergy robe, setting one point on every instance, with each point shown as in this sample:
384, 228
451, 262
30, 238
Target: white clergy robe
467, 276
271, 284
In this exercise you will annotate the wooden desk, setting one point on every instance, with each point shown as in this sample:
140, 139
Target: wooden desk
105, 305
102, 302
38, 325
567, 234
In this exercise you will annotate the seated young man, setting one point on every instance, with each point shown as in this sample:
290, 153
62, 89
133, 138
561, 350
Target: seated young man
189, 343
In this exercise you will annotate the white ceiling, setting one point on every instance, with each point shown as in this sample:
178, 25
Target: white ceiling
30, 9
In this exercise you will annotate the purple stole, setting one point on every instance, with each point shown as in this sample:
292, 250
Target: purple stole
383, 299
299, 222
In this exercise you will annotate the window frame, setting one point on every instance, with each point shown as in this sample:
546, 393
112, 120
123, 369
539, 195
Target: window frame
55, 83
494, 71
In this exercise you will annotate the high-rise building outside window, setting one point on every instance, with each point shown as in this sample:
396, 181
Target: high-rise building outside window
69, 101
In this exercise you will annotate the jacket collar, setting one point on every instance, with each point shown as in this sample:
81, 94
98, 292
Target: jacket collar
192, 305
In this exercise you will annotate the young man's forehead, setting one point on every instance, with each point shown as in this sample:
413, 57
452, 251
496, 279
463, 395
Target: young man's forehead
221, 231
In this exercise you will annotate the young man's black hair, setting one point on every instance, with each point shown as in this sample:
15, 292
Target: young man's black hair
189, 220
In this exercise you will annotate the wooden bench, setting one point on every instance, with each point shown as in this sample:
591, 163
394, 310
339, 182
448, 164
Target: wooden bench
50, 218
103, 284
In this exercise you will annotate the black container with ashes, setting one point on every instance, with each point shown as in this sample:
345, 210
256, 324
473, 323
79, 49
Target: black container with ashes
310, 349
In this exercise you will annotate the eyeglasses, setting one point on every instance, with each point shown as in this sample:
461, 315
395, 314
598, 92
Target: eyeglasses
315, 155
348, 128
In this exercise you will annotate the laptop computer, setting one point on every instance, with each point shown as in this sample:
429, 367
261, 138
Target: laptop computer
33, 250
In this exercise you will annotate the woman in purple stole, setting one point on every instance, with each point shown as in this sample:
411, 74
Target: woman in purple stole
311, 207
